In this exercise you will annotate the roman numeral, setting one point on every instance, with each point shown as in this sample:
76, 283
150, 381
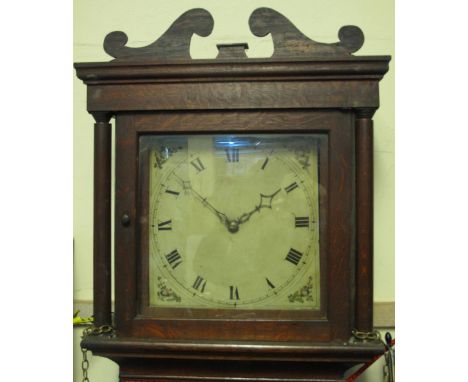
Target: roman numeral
294, 256
199, 282
172, 192
232, 154
174, 259
197, 164
233, 293
291, 187
265, 163
270, 284
165, 226
301, 222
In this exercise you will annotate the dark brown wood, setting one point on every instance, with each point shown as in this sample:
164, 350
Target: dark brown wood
332, 322
289, 42
125, 204
232, 51
350, 68
305, 86
102, 222
225, 361
173, 44
364, 219
232, 95
119, 347
230, 371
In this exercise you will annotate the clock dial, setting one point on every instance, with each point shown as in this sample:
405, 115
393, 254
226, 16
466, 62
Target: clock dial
234, 222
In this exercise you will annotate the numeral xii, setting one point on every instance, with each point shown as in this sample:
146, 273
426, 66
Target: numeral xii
232, 154
197, 163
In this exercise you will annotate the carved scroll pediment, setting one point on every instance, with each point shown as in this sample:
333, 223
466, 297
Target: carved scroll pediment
288, 41
174, 44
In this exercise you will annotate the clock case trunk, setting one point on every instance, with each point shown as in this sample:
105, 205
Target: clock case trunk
336, 96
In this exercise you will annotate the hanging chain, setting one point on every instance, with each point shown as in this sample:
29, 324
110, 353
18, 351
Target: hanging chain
389, 353
366, 336
85, 364
92, 331
389, 368
97, 330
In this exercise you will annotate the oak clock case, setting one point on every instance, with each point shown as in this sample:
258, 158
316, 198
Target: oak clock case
232, 241
243, 204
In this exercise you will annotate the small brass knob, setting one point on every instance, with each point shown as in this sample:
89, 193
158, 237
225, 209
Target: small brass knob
125, 220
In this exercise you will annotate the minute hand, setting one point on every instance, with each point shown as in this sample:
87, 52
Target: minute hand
265, 202
222, 217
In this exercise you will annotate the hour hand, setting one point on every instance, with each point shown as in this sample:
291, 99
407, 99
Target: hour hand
265, 202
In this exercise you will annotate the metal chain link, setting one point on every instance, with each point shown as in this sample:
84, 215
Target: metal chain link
92, 331
366, 336
388, 369
97, 330
85, 364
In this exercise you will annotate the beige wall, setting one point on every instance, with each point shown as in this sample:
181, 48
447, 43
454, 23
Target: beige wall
145, 20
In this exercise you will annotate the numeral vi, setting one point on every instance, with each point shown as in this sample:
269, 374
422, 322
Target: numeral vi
233, 293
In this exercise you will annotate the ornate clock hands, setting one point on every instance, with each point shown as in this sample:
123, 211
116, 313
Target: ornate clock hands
231, 225
187, 186
265, 202
222, 217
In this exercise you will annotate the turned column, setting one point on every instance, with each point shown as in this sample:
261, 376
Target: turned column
102, 220
364, 219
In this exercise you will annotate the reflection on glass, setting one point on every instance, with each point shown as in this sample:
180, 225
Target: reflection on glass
234, 221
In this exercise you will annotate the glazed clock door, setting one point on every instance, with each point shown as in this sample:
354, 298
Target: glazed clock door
234, 220
232, 225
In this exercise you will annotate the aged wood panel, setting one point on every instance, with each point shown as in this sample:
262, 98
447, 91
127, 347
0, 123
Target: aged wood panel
173, 44
114, 347
233, 95
125, 204
352, 68
102, 221
288, 41
331, 323
364, 221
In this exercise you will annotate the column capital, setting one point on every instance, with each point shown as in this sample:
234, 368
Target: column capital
365, 113
102, 116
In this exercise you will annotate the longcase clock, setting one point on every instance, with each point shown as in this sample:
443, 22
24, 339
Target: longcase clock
243, 205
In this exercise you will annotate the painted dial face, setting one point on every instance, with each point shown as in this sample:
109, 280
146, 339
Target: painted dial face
234, 222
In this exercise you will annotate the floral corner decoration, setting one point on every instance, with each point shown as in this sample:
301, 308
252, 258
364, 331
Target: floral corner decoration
165, 293
304, 294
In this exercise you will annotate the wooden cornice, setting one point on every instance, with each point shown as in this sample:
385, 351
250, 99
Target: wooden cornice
367, 67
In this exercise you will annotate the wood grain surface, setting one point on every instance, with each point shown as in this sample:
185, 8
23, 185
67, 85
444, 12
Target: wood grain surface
306, 86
